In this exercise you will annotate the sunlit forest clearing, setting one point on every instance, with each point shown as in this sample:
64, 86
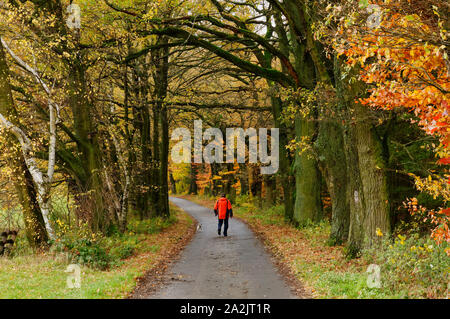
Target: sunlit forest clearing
325, 124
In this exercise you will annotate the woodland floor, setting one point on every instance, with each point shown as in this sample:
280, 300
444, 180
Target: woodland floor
213, 266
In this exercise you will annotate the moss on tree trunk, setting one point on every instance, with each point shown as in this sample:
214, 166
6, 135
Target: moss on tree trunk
308, 206
367, 189
35, 230
330, 146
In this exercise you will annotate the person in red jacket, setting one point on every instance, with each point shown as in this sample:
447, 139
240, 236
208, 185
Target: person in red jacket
223, 209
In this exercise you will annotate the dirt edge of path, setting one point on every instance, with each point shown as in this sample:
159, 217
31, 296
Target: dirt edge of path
156, 277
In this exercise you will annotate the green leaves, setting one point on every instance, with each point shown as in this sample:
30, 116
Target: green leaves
363, 3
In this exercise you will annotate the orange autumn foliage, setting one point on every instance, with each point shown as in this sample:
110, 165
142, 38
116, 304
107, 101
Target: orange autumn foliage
404, 61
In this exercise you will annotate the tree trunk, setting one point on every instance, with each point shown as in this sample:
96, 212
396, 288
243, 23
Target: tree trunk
243, 179
269, 190
173, 184
91, 187
286, 173
35, 229
34, 223
215, 189
333, 162
367, 190
251, 182
330, 147
164, 178
147, 177
308, 206
161, 61
193, 189
255, 184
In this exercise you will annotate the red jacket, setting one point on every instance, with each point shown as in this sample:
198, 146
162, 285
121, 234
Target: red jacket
223, 208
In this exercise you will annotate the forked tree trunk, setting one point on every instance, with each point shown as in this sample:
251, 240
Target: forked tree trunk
34, 223
367, 188
35, 229
333, 163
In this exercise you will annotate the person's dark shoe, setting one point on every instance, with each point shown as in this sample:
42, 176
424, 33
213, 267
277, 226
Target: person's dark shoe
225, 235
218, 231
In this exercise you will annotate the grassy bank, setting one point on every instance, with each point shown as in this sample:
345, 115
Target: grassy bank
410, 267
143, 247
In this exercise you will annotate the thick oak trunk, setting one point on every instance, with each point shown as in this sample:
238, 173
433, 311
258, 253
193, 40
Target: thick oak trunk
367, 188
330, 146
285, 170
308, 206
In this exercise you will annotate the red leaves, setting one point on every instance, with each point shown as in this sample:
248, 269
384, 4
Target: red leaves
444, 161
404, 71
407, 72
446, 212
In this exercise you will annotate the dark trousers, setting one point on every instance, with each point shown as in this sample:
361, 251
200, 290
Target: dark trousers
225, 225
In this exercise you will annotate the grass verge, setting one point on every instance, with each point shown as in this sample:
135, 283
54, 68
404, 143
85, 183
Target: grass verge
43, 275
326, 273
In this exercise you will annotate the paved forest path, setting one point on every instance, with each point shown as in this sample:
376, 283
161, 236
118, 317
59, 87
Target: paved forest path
210, 266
